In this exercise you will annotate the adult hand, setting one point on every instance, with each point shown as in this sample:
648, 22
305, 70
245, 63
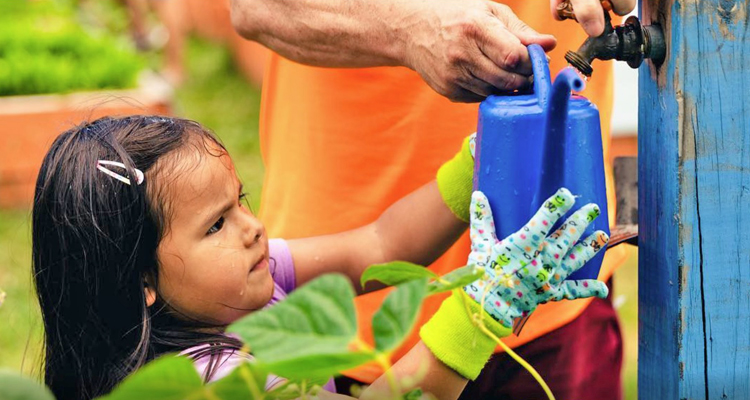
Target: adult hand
468, 49
589, 13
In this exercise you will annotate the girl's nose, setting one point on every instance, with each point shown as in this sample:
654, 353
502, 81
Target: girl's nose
253, 232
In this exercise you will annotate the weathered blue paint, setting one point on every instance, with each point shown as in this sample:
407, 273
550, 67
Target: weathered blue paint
530, 145
694, 174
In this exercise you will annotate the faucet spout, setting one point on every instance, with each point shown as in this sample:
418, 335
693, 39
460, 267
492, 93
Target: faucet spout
630, 42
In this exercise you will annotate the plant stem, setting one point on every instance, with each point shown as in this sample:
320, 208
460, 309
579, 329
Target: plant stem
385, 362
519, 360
250, 382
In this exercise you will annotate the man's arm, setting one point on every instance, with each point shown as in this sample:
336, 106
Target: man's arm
464, 49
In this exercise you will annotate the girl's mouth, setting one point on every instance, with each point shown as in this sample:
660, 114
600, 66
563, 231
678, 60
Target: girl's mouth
260, 265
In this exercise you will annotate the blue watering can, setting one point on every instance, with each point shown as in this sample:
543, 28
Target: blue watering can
530, 145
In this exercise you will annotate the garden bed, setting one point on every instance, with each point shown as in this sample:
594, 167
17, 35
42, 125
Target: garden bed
29, 124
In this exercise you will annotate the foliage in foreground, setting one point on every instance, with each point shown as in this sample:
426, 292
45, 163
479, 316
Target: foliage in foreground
307, 338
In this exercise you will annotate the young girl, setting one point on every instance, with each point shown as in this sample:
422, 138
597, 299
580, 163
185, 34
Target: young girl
142, 246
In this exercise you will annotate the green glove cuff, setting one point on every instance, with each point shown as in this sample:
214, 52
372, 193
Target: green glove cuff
455, 181
454, 339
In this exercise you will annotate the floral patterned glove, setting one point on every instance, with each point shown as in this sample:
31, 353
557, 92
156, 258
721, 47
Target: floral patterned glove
529, 267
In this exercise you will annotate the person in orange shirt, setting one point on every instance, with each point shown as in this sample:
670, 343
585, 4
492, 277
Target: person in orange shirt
361, 104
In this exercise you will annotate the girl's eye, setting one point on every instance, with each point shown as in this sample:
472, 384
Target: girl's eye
216, 227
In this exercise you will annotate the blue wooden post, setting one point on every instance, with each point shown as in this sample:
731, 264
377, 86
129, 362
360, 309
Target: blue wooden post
694, 206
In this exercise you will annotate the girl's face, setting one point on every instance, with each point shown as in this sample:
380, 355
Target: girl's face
214, 258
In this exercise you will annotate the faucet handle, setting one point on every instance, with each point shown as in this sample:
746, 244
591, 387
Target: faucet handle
565, 9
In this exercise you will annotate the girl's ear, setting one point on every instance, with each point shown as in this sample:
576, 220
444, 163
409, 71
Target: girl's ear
150, 291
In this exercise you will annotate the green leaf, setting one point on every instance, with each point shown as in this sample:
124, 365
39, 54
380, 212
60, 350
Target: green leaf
414, 394
309, 334
247, 381
396, 317
168, 377
15, 386
315, 366
395, 272
293, 389
457, 278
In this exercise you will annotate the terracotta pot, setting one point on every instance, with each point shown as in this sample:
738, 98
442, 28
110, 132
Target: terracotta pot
209, 18
29, 124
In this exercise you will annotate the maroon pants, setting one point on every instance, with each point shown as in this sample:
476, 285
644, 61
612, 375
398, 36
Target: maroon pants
579, 361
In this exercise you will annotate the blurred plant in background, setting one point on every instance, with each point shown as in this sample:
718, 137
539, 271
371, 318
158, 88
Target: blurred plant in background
43, 49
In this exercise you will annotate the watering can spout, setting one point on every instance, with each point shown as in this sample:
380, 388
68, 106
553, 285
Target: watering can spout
556, 126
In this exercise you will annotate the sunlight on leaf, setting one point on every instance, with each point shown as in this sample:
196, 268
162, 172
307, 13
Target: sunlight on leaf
168, 377
309, 334
457, 278
395, 272
2, 297
396, 317
14, 386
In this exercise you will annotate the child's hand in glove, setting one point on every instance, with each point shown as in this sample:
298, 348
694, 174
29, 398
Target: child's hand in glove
529, 267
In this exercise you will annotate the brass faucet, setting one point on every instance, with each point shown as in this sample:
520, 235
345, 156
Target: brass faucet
630, 42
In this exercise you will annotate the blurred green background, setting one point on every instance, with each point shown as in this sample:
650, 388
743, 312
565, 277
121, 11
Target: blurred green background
213, 92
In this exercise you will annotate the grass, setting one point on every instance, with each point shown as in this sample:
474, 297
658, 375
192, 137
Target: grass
218, 97
626, 302
21, 332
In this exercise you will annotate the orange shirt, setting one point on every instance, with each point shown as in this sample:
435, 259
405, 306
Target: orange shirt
341, 145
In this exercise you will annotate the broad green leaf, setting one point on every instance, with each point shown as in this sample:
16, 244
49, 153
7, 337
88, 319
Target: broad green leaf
395, 272
319, 365
395, 318
455, 279
14, 386
307, 335
168, 377
247, 381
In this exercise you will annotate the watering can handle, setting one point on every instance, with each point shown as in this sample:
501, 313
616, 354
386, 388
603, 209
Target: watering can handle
540, 67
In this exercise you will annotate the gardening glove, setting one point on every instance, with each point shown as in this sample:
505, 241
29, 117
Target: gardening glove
455, 179
524, 270
529, 267
453, 336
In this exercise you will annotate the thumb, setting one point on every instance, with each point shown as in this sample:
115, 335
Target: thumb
526, 34
623, 7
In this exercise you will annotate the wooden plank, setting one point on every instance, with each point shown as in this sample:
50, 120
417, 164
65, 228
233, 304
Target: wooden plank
694, 173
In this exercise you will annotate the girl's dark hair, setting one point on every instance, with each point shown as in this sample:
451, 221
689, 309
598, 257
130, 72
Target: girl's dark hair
94, 245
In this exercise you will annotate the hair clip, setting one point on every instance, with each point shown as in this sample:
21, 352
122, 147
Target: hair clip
138, 173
